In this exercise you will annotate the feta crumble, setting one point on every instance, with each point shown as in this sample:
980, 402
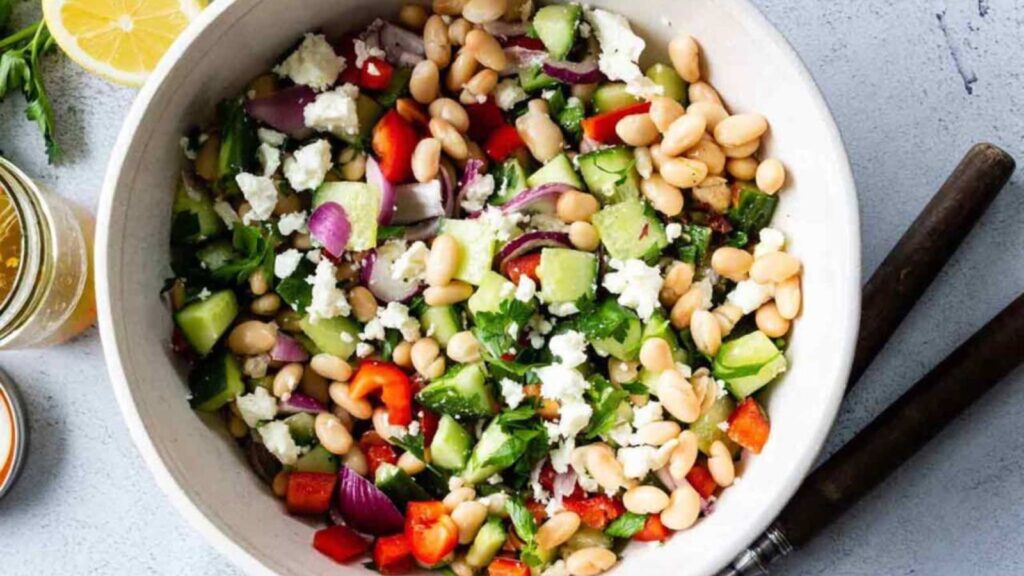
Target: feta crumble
561, 383
512, 392
226, 213
277, 438
673, 231
570, 347
561, 457
508, 93
620, 47
636, 460
503, 225
637, 285
260, 193
477, 192
286, 262
204, 294
334, 112
396, 316
749, 295
770, 240
270, 159
650, 412
270, 137
574, 415
539, 327
364, 52
644, 88
563, 309
526, 289
312, 64
412, 264
291, 223
363, 349
329, 301
307, 167
256, 407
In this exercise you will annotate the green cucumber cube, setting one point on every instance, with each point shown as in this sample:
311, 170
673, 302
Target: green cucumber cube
476, 243
556, 27
628, 231
494, 288
203, 322
362, 206
558, 170
337, 336
214, 382
451, 445
566, 275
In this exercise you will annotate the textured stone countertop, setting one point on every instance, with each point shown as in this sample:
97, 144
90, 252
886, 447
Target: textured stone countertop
912, 86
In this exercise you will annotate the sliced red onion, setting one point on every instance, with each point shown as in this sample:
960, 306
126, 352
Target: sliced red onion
417, 202
518, 58
423, 230
539, 199
288, 349
448, 191
298, 402
666, 478
282, 110
564, 484
364, 507
505, 30
375, 273
375, 177
473, 170
330, 226
586, 72
403, 48
530, 242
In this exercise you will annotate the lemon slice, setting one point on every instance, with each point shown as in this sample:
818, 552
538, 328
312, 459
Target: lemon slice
120, 40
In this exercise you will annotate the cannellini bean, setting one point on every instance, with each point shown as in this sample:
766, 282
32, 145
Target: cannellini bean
424, 352
657, 433
590, 561
464, 347
363, 303
707, 334
450, 293
458, 30
678, 279
637, 130
703, 92
664, 111
732, 263
463, 68
740, 129
468, 517
287, 379
683, 134
684, 456
557, 530
486, 49
435, 42
448, 7
266, 305
685, 55
727, 314
356, 460
770, 322
426, 159
656, 355
575, 206
425, 82
658, 157
709, 153
743, 150
645, 500
484, 11
452, 142
774, 267
683, 309
540, 133
442, 261
258, 281
677, 396
332, 434
741, 168
663, 196
402, 354
684, 172
479, 86
452, 111
413, 17
331, 367
788, 297
720, 464
458, 496
683, 508
252, 338
604, 467
713, 113
584, 236
715, 192
771, 175
622, 371
341, 396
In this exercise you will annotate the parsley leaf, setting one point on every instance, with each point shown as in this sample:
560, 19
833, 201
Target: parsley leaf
609, 319
20, 69
498, 331
694, 244
256, 251
294, 290
605, 400
635, 388
626, 526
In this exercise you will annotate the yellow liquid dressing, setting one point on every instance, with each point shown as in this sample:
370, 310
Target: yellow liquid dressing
11, 246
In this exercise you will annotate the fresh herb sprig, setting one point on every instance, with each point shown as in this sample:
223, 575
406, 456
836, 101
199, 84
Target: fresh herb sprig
20, 70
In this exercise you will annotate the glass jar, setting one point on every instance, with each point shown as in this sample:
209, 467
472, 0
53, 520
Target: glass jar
46, 283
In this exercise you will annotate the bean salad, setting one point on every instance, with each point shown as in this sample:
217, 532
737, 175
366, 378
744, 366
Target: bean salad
479, 292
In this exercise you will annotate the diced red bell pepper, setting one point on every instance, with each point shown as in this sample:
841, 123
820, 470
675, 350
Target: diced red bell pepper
393, 555
537, 510
601, 128
700, 478
653, 530
394, 385
484, 118
525, 265
394, 140
431, 532
595, 512
377, 451
340, 543
507, 567
749, 426
310, 492
503, 143
375, 74
428, 425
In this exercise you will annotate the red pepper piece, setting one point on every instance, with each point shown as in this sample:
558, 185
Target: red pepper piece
700, 478
525, 265
431, 531
653, 530
595, 512
503, 143
375, 74
526, 42
393, 555
377, 451
428, 424
601, 128
309, 493
749, 426
340, 543
394, 140
484, 118
507, 567
395, 386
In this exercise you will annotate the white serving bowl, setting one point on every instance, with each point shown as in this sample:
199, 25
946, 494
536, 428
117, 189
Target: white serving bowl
202, 470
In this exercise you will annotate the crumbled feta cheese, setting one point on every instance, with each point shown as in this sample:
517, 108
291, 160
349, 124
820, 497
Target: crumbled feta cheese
363, 349
414, 428
286, 262
563, 309
512, 392
574, 415
644, 88
636, 460
503, 225
644, 161
621, 434
508, 93
494, 480
204, 294
561, 383
456, 482
256, 366
561, 457
373, 330
723, 425
271, 137
637, 285
620, 47
477, 192
547, 223
570, 347
226, 213
277, 438
585, 30
673, 231
314, 256
313, 63
396, 315
650, 412
412, 264
557, 569
270, 159
706, 292
334, 112
526, 289
364, 52
770, 240
329, 301
257, 406
291, 223
260, 193
186, 148
539, 328
307, 167
749, 295
347, 338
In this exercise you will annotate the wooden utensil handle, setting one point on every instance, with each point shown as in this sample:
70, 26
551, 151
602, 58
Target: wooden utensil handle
925, 248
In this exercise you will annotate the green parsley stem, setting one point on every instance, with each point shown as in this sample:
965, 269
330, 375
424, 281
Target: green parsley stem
20, 36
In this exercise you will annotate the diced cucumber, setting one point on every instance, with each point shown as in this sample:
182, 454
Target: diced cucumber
491, 442
487, 543
533, 78
368, 111
628, 348
214, 382
441, 322
301, 427
362, 206
748, 363
586, 537
556, 27
203, 322
462, 392
610, 174
198, 204
398, 485
238, 143
659, 327
753, 210
558, 170
215, 255
649, 379
707, 426
451, 445
337, 336
566, 275
494, 288
628, 231
317, 460
476, 244
672, 84
509, 180
612, 96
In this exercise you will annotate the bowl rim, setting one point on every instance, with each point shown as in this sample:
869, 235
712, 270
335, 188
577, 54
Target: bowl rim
250, 564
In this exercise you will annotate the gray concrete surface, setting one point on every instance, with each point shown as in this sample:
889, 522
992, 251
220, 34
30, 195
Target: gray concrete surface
912, 85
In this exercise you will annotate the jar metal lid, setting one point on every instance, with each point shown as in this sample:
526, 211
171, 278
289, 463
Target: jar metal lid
13, 434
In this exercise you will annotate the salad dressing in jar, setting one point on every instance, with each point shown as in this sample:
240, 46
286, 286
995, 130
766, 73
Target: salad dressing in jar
46, 284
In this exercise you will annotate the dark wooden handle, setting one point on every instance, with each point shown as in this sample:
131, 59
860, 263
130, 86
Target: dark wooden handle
907, 425
925, 247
